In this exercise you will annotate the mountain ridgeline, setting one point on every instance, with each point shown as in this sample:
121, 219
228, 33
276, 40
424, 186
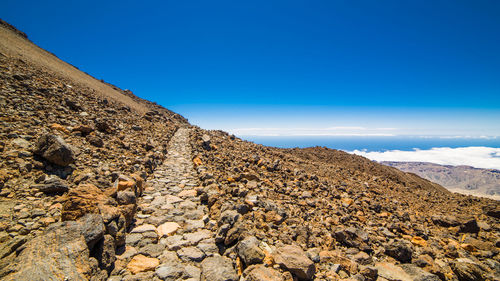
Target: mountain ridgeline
99, 184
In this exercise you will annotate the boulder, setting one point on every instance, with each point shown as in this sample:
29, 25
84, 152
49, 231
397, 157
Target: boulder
469, 226
60, 253
218, 268
400, 250
81, 200
92, 229
467, 271
55, 150
295, 260
249, 251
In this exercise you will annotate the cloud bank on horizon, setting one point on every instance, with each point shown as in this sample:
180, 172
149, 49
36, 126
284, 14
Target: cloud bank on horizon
475, 156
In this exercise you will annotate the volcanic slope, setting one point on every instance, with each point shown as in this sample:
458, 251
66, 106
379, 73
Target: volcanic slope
98, 184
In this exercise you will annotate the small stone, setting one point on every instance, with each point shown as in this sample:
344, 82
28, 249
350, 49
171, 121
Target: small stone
195, 237
419, 241
171, 199
167, 229
191, 254
218, 268
140, 263
187, 193
175, 242
170, 272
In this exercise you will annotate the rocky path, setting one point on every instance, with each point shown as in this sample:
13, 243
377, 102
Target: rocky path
171, 238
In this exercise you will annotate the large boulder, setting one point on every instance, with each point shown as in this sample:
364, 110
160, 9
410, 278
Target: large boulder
218, 268
295, 260
60, 253
467, 270
55, 150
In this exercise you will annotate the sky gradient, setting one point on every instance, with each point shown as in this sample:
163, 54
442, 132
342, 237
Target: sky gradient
289, 67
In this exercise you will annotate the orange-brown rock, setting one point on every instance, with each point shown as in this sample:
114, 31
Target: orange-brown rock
141, 263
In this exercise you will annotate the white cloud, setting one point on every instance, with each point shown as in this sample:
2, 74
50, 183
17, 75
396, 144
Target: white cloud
475, 156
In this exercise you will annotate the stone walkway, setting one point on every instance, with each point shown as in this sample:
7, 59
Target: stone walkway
171, 234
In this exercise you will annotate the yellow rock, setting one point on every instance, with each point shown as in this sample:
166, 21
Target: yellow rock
140, 263
197, 161
230, 179
346, 202
124, 185
239, 266
468, 247
419, 241
59, 128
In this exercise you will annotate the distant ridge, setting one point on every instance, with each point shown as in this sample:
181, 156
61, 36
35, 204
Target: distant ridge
463, 179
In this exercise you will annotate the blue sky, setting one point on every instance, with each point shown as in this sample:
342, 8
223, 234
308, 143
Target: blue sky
289, 67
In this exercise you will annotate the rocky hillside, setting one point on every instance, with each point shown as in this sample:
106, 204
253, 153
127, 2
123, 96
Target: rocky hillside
97, 184
463, 179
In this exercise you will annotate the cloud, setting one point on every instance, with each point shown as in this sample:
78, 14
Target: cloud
475, 156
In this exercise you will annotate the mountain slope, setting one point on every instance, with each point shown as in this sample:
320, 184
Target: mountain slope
463, 179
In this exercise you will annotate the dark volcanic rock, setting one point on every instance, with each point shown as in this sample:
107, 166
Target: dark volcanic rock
52, 185
400, 250
55, 150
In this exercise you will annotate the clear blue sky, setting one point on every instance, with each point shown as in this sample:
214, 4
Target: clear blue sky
292, 67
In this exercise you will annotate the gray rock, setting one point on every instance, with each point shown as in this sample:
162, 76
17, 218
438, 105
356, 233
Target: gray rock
125, 197
9, 247
175, 242
228, 217
248, 250
218, 268
418, 274
55, 150
105, 253
191, 271
170, 272
190, 254
467, 271
152, 250
92, 228
52, 185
